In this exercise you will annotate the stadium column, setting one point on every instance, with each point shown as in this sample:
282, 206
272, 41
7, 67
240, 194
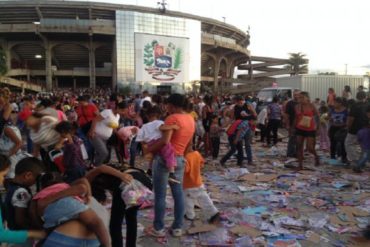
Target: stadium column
48, 70
92, 64
217, 70
114, 66
5, 45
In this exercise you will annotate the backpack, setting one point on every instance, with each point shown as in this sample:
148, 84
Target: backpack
232, 129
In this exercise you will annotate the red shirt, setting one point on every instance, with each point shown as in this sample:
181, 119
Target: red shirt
86, 113
309, 115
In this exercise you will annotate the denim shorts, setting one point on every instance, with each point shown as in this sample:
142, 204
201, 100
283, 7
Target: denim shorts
63, 210
56, 239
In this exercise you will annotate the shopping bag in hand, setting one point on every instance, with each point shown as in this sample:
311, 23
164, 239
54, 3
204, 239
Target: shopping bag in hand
135, 194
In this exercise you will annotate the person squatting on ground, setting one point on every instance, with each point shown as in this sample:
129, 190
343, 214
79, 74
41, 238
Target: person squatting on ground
13, 236
54, 209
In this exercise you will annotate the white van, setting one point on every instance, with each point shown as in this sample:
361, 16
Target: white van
266, 95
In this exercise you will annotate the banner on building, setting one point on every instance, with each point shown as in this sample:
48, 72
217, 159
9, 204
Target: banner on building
161, 58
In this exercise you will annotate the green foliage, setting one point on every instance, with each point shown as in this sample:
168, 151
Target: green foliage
178, 58
148, 55
154, 43
327, 73
3, 67
298, 63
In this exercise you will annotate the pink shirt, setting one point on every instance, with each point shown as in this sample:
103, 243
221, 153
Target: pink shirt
51, 190
125, 133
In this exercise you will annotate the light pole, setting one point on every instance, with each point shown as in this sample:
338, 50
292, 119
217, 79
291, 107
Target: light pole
223, 17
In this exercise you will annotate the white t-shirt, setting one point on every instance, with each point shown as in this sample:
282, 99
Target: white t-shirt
147, 98
261, 118
149, 131
102, 128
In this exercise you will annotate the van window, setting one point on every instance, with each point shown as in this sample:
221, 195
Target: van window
266, 95
286, 93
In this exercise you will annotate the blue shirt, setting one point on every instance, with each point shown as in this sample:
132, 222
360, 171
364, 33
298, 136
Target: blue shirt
338, 118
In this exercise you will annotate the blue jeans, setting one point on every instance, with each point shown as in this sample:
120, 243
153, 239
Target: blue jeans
87, 143
160, 181
233, 148
56, 239
133, 151
365, 157
248, 146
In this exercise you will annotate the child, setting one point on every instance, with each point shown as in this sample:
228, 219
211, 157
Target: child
150, 133
324, 125
363, 137
73, 161
18, 194
236, 133
57, 202
127, 135
215, 135
194, 189
13, 237
262, 123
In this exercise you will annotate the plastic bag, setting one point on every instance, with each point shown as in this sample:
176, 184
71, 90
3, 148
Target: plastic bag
135, 194
199, 128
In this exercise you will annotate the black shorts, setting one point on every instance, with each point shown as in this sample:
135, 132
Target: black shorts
305, 133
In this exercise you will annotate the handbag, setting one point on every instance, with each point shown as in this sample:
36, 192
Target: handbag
5, 143
305, 121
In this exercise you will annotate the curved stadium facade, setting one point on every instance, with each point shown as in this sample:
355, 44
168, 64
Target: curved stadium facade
61, 44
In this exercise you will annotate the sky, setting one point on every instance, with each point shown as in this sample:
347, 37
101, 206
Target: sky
332, 33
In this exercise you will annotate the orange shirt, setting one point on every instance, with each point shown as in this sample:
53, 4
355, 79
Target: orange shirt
192, 173
181, 137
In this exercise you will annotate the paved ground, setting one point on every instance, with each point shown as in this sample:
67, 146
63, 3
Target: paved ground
270, 205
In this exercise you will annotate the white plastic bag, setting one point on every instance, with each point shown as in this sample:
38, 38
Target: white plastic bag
135, 194
199, 128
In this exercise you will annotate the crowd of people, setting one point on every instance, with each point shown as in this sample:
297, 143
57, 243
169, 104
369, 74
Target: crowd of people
79, 146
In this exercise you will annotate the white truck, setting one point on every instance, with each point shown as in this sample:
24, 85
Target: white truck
316, 85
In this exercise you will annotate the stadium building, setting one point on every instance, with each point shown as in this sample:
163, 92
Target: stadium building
68, 44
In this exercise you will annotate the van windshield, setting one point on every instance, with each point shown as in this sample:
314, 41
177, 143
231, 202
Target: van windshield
266, 95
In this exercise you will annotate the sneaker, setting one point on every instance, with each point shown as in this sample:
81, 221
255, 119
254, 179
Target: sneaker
176, 232
357, 170
215, 218
172, 179
157, 233
189, 219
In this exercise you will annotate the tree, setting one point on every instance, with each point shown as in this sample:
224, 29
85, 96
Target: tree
297, 63
327, 73
3, 67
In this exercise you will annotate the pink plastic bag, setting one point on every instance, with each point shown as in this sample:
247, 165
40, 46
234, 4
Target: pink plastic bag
135, 194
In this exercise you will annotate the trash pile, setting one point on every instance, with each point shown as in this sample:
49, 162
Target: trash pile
270, 205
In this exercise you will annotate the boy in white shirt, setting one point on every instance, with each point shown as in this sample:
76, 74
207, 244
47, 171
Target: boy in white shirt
262, 123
